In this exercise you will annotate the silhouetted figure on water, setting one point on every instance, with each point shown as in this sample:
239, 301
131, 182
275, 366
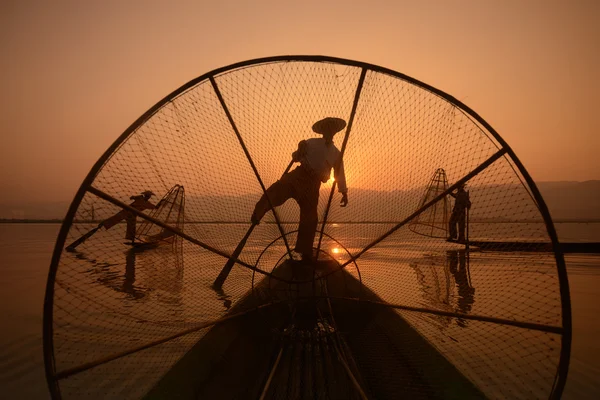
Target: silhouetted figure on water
317, 157
459, 214
140, 202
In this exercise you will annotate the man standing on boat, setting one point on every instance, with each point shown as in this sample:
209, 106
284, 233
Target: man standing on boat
317, 156
140, 202
459, 213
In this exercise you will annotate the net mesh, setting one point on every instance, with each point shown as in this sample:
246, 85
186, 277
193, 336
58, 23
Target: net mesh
124, 316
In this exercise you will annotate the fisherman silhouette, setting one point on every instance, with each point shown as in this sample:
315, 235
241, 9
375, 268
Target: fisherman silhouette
317, 156
459, 213
140, 202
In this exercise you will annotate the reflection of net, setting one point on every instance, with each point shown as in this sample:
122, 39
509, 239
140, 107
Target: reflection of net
111, 300
433, 222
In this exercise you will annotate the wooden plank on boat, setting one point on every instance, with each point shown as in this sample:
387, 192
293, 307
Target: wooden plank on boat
566, 247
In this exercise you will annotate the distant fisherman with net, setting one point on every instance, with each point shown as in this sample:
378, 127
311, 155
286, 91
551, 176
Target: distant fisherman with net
459, 213
140, 202
317, 157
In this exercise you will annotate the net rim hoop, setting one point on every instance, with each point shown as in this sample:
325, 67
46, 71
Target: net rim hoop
48, 342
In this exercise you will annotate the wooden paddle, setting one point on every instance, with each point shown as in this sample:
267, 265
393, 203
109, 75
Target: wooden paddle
82, 239
218, 283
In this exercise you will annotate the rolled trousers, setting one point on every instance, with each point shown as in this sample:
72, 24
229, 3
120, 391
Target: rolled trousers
303, 187
457, 217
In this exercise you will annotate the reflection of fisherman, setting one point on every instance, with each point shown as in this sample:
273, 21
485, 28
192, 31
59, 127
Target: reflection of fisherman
140, 203
466, 293
459, 213
316, 156
128, 284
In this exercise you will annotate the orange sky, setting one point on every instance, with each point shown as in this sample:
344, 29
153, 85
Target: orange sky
76, 74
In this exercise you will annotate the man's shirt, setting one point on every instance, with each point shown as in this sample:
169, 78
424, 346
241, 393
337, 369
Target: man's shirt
141, 204
462, 201
320, 157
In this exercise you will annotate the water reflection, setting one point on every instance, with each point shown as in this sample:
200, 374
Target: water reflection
224, 297
128, 284
445, 285
458, 262
143, 272
111, 276
161, 270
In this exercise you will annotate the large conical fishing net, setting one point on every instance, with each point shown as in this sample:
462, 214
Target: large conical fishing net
434, 220
401, 314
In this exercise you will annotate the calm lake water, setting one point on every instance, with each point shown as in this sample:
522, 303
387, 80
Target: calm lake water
26, 249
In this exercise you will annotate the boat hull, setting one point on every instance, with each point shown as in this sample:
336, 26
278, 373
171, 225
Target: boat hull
314, 346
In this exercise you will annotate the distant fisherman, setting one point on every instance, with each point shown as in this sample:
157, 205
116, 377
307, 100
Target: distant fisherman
140, 202
459, 213
317, 157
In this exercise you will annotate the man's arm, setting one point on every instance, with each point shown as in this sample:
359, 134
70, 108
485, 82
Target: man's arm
344, 200
340, 178
142, 204
298, 154
149, 206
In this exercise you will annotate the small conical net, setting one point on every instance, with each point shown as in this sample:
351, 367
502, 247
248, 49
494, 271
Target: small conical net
169, 210
433, 222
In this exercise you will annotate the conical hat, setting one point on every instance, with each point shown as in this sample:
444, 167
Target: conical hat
329, 126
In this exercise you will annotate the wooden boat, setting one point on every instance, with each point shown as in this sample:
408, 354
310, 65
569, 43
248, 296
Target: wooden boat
522, 246
331, 338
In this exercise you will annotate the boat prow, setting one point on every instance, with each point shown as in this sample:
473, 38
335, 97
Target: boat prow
308, 345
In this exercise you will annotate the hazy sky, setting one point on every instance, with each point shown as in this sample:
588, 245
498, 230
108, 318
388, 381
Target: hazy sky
76, 74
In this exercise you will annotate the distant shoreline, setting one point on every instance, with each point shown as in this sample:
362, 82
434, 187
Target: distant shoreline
60, 221
30, 221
